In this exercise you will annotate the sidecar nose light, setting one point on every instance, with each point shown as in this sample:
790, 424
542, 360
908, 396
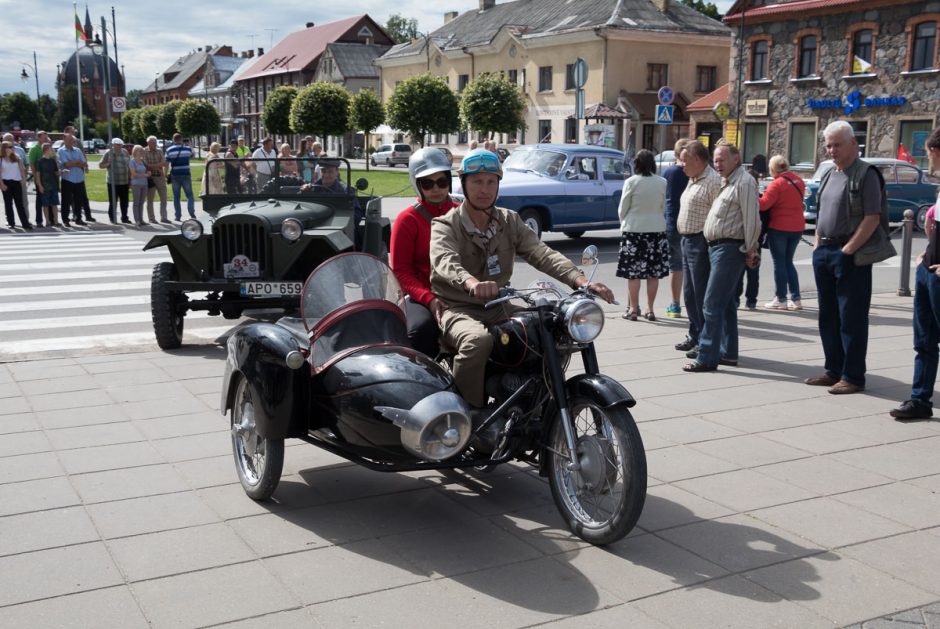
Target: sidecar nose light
191, 229
291, 229
584, 320
294, 359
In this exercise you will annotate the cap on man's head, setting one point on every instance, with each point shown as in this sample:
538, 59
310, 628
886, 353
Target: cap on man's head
329, 163
118, 141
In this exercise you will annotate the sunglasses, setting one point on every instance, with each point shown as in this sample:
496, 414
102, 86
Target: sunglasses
481, 163
428, 184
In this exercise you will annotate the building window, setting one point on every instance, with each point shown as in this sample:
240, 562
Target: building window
657, 75
808, 45
913, 134
759, 53
571, 130
545, 131
545, 79
802, 143
462, 137
706, 78
462, 81
755, 140
513, 77
924, 46
861, 45
569, 77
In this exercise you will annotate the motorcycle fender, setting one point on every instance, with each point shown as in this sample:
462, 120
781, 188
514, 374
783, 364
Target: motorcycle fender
601, 388
257, 353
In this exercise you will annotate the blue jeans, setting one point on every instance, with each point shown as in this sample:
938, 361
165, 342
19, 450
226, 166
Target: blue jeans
186, 183
782, 247
719, 337
926, 333
695, 271
844, 293
752, 277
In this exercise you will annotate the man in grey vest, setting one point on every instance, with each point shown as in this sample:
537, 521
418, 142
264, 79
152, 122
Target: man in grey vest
850, 204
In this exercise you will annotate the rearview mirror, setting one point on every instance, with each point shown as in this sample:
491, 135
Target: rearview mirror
362, 183
589, 255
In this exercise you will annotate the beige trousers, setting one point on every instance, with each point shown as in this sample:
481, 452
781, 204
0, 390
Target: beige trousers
464, 328
160, 188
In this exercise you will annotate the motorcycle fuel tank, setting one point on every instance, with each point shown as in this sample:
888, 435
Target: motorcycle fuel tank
516, 341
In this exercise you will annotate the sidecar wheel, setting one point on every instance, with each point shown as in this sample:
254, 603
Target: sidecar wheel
259, 461
603, 500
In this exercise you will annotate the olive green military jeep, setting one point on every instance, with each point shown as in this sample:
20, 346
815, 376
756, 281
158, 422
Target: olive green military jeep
256, 249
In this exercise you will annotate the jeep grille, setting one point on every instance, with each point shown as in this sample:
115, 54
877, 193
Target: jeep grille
230, 240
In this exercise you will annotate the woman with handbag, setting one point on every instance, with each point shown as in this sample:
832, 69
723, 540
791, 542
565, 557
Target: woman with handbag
783, 202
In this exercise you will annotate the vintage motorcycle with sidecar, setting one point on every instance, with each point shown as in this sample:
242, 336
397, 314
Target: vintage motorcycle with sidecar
343, 377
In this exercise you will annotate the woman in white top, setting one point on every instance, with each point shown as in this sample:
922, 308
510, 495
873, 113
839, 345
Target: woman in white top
12, 174
644, 248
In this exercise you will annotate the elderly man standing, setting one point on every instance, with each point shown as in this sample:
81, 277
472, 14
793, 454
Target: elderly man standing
156, 162
731, 229
850, 200
73, 166
694, 204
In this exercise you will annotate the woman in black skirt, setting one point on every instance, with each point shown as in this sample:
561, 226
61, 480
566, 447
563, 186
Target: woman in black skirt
644, 249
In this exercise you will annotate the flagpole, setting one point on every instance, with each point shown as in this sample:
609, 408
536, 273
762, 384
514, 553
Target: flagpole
78, 64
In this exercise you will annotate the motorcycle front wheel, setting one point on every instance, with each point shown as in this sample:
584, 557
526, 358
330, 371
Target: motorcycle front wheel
602, 501
259, 461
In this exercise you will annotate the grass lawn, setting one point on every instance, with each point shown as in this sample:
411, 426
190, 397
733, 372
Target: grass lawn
381, 183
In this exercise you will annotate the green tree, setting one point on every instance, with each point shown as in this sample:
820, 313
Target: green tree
148, 119
706, 8
198, 117
135, 99
101, 130
276, 113
365, 114
19, 109
321, 108
166, 120
423, 104
491, 103
401, 28
67, 108
130, 126
47, 112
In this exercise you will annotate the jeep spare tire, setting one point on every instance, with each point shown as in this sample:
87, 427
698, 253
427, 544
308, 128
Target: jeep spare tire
289, 181
164, 302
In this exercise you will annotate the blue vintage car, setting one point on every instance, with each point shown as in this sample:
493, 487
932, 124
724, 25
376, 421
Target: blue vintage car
568, 188
909, 188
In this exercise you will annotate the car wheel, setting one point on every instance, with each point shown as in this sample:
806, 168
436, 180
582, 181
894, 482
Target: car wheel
532, 220
258, 461
920, 218
577, 234
372, 160
164, 307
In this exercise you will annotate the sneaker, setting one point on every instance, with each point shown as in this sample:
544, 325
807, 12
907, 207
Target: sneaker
794, 304
686, 345
674, 310
751, 305
776, 304
912, 409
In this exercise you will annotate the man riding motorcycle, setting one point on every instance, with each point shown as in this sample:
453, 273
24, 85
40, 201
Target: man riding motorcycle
472, 253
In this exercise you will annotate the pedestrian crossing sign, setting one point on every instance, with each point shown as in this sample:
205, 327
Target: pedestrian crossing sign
664, 114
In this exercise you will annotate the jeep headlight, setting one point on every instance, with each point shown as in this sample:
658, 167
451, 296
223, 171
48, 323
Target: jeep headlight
291, 229
191, 229
584, 320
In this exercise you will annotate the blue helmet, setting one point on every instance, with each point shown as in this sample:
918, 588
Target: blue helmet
480, 161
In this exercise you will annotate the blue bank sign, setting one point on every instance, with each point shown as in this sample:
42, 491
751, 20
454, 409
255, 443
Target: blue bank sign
854, 101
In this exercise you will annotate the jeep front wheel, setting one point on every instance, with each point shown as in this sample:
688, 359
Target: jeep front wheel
167, 319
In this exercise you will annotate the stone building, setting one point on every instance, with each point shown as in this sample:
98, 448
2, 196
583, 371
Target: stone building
632, 48
805, 63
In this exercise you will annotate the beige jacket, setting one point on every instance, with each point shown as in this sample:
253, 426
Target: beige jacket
458, 253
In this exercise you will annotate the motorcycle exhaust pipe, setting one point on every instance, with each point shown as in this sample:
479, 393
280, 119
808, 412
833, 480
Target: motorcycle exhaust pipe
436, 428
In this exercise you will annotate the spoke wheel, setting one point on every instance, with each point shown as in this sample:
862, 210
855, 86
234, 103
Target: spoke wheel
259, 461
601, 501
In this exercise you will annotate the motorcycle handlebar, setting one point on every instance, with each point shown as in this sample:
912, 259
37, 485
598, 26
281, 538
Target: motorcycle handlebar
505, 294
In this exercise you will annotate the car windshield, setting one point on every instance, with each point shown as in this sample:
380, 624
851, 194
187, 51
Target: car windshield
545, 163
345, 279
822, 170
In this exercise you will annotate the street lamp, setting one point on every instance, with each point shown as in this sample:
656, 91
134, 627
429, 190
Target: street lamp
24, 75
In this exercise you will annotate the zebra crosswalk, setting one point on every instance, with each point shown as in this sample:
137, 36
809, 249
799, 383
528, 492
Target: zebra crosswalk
85, 291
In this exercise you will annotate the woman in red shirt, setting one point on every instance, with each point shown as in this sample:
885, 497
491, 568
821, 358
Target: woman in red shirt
410, 256
783, 198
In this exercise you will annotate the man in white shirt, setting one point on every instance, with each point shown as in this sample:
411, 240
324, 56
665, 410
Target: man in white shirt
263, 161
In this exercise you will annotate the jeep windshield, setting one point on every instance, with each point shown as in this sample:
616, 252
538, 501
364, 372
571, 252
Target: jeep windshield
538, 161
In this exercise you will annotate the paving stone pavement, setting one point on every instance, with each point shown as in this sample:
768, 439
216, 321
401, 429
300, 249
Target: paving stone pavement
771, 504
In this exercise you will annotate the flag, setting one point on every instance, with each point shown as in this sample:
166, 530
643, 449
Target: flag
860, 66
904, 155
79, 30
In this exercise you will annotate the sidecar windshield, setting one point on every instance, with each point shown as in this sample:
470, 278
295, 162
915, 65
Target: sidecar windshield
345, 279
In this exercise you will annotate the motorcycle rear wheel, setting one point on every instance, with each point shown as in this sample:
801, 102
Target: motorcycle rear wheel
258, 461
603, 500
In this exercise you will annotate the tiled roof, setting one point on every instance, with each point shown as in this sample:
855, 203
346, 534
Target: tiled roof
602, 111
536, 18
705, 103
356, 60
184, 67
781, 7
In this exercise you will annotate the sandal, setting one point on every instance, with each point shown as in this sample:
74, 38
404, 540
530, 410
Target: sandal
630, 315
698, 368
650, 316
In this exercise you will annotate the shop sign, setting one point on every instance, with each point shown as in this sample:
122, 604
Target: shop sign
721, 110
756, 107
854, 101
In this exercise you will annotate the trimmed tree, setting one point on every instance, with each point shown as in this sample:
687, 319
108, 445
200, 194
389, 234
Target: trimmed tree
365, 114
130, 123
147, 120
276, 114
166, 119
423, 104
491, 103
322, 109
198, 117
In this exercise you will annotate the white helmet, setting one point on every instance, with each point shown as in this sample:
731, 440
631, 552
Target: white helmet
425, 162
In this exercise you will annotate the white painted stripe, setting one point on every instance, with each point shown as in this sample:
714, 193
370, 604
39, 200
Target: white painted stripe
107, 341
82, 275
57, 255
78, 264
37, 240
60, 289
66, 323
71, 244
69, 304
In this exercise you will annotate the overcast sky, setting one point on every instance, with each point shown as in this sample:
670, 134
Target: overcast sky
152, 35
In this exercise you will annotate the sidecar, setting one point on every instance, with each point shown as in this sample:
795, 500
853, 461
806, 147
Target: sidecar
341, 376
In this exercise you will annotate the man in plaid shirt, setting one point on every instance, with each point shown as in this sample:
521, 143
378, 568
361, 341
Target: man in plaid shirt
117, 162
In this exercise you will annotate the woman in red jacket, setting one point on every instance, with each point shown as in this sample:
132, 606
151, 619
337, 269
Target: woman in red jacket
429, 170
783, 198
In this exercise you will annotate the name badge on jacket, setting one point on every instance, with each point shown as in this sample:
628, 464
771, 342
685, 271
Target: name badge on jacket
492, 265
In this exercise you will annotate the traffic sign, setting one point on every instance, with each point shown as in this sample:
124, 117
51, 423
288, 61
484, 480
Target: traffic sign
118, 104
665, 95
663, 114
580, 73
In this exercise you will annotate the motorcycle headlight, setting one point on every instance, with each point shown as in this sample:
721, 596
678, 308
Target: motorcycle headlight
291, 229
584, 320
191, 229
